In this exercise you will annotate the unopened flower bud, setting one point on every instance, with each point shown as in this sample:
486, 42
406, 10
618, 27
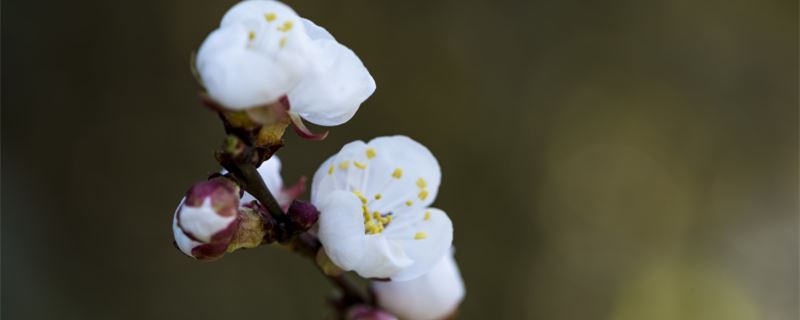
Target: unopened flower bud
433, 296
207, 219
303, 215
364, 312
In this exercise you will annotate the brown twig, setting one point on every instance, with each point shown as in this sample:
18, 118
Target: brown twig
241, 156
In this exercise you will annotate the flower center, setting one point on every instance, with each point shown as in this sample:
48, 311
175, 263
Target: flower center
374, 222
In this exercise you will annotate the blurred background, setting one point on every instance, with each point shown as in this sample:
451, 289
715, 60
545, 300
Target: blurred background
601, 160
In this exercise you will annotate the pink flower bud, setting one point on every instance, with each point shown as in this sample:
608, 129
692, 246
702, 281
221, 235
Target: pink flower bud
303, 214
207, 219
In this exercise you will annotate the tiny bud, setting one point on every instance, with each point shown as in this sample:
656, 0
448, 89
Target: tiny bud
207, 219
303, 215
233, 145
364, 312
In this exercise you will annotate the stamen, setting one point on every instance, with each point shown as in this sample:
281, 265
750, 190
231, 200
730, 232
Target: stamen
409, 203
421, 183
330, 170
398, 173
378, 196
420, 236
344, 165
423, 194
361, 196
251, 35
286, 26
359, 165
282, 42
270, 16
371, 153
427, 215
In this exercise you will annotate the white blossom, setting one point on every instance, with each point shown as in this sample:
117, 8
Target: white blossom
258, 54
263, 51
374, 202
435, 295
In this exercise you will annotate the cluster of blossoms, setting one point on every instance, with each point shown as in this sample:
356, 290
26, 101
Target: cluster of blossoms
370, 208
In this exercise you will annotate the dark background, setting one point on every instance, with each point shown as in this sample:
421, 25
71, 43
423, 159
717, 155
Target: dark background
618, 160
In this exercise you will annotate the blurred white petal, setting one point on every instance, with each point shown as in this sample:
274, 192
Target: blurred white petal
435, 295
270, 172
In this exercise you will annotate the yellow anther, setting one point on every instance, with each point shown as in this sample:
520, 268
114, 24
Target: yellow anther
282, 42
330, 170
427, 215
270, 16
251, 35
409, 203
397, 174
373, 228
423, 194
344, 165
361, 196
371, 153
376, 224
420, 235
378, 196
421, 183
359, 165
286, 26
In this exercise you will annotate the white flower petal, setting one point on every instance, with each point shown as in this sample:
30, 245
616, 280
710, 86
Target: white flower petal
435, 295
276, 29
340, 172
398, 170
341, 229
184, 243
202, 222
316, 32
238, 77
383, 258
321, 184
256, 11
337, 84
425, 236
341, 232
335, 88
257, 55
417, 163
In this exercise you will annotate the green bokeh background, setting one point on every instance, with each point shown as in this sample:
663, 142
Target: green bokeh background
617, 160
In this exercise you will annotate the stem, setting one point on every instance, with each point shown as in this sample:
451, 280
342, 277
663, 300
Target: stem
241, 157
308, 245
350, 292
254, 184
